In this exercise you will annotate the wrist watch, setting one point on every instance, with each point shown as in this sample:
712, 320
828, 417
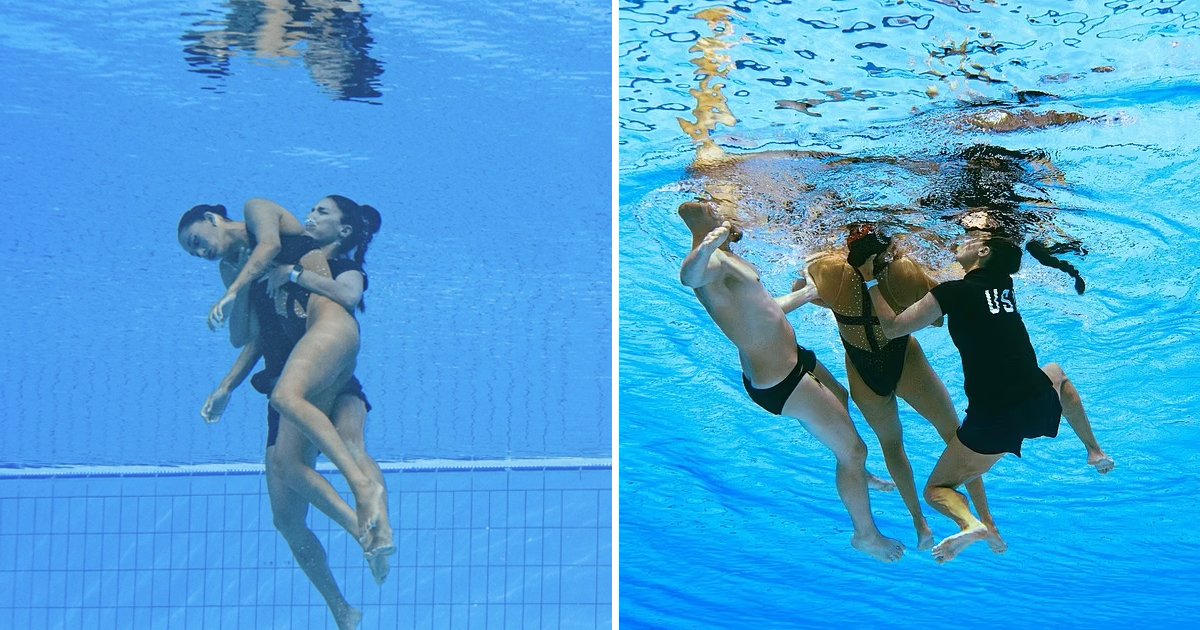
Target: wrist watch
294, 276
872, 282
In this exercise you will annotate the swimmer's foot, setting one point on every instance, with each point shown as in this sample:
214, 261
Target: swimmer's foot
348, 619
879, 483
879, 547
380, 564
951, 546
369, 510
924, 537
381, 538
1103, 463
994, 541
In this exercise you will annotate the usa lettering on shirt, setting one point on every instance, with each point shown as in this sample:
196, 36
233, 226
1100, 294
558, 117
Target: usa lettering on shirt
1000, 300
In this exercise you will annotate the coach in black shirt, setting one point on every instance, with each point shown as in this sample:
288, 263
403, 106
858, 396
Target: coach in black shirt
1009, 398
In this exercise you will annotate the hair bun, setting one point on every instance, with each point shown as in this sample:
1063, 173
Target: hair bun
215, 208
372, 221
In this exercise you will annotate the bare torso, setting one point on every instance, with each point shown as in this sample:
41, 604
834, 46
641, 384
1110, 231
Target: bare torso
751, 318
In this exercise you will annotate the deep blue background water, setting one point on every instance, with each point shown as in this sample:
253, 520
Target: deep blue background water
729, 517
486, 147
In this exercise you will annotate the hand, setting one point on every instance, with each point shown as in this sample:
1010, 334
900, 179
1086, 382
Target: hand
278, 277
215, 405
216, 317
868, 269
805, 280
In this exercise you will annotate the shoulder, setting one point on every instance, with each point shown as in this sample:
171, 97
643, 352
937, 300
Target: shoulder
948, 291
343, 264
827, 265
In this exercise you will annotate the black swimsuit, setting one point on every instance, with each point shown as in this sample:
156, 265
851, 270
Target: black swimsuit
277, 336
881, 366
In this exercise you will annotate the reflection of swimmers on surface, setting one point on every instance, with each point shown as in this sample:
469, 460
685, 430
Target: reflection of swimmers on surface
782, 377
292, 482
1009, 397
880, 370
334, 34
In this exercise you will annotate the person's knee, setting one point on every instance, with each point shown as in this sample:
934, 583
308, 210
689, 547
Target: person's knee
285, 399
1056, 374
289, 523
279, 466
854, 454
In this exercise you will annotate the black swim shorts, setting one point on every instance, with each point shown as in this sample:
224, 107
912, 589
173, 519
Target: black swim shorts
1002, 430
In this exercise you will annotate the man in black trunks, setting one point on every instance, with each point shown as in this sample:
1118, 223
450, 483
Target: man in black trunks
782, 377
1010, 399
881, 369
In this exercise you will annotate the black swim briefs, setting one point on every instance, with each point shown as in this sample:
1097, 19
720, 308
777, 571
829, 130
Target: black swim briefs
773, 398
1002, 430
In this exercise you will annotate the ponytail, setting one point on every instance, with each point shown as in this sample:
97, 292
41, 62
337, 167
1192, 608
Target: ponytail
1045, 255
364, 221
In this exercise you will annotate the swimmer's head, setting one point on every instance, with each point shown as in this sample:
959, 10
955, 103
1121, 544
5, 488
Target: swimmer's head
356, 225
865, 240
989, 250
201, 233
703, 217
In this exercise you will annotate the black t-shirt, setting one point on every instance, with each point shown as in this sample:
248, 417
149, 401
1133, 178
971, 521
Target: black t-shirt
999, 364
297, 304
273, 336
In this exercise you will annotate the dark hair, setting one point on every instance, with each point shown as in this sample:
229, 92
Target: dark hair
197, 213
865, 240
1006, 258
1045, 255
365, 223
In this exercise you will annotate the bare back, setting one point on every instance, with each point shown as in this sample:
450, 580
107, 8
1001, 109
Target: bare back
750, 318
841, 289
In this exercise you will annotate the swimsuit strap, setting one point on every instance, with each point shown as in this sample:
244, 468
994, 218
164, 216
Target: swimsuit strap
870, 320
860, 320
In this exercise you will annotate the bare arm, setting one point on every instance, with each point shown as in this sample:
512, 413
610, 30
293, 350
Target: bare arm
346, 289
796, 299
701, 266
921, 314
215, 405
266, 220
263, 220
804, 291
241, 328
907, 282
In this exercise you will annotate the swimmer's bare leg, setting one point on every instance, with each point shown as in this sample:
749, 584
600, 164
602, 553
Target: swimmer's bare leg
921, 388
826, 378
350, 416
825, 418
957, 465
1072, 406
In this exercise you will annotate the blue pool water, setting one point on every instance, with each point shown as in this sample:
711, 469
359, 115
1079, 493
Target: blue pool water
481, 133
729, 517
487, 322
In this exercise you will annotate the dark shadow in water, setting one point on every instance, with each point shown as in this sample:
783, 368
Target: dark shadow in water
330, 36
